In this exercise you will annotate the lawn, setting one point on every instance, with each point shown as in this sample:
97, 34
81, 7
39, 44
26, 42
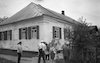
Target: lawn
2, 60
60, 61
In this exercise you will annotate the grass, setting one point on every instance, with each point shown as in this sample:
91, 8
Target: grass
14, 53
2, 60
60, 61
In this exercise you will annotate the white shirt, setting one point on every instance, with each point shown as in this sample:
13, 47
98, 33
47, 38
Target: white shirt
19, 49
42, 46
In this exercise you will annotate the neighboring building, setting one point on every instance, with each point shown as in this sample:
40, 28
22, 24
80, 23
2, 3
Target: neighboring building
33, 24
93, 29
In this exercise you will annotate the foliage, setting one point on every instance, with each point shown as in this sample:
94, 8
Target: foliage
3, 18
82, 37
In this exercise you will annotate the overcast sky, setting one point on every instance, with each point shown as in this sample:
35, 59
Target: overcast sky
89, 9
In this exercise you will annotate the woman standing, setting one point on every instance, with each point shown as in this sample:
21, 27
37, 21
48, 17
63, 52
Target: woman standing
52, 54
19, 51
47, 51
66, 52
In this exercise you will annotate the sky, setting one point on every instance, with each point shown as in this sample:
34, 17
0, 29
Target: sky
89, 9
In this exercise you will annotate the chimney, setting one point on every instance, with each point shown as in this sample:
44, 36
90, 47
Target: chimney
63, 13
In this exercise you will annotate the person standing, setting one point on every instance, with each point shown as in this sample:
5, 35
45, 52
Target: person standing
66, 52
19, 51
41, 48
52, 54
47, 51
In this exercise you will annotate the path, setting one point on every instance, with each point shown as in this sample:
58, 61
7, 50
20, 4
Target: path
24, 59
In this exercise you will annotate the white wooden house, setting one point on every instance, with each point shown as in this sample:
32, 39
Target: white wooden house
33, 24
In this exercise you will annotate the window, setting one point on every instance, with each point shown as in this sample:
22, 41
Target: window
6, 35
56, 32
29, 32
9, 35
68, 33
33, 32
23, 33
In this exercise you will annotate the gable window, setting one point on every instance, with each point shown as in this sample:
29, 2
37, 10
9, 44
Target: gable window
56, 32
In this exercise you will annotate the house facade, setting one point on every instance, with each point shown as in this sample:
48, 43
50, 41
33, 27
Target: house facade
33, 24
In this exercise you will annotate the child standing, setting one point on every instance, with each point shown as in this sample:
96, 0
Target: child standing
52, 54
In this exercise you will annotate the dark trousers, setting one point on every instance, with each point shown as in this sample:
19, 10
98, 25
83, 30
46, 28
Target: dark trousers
41, 55
19, 57
66, 59
47, 56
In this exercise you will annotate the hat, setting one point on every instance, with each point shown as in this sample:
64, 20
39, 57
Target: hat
20, 43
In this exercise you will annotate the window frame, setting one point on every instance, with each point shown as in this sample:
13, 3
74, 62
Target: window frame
57, 32
29, 31
4, 35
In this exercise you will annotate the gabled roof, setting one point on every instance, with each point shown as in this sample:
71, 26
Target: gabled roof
34, 10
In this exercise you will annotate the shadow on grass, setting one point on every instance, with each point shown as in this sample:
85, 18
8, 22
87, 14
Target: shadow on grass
2, 60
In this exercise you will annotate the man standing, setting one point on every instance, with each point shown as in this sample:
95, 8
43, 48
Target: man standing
41, 48
66, 52
47, 51
19, 51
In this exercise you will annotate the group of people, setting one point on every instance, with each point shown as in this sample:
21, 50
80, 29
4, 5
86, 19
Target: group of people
47, 52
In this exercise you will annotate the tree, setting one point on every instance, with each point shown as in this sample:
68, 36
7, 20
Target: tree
83, 41
4, 18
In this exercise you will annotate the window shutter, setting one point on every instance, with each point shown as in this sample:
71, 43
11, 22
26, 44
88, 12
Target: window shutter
10, 34
37, 32
29, 32
53, 32
60, 33
5, 35
26, 33
0, 36
20, 33
65, 31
